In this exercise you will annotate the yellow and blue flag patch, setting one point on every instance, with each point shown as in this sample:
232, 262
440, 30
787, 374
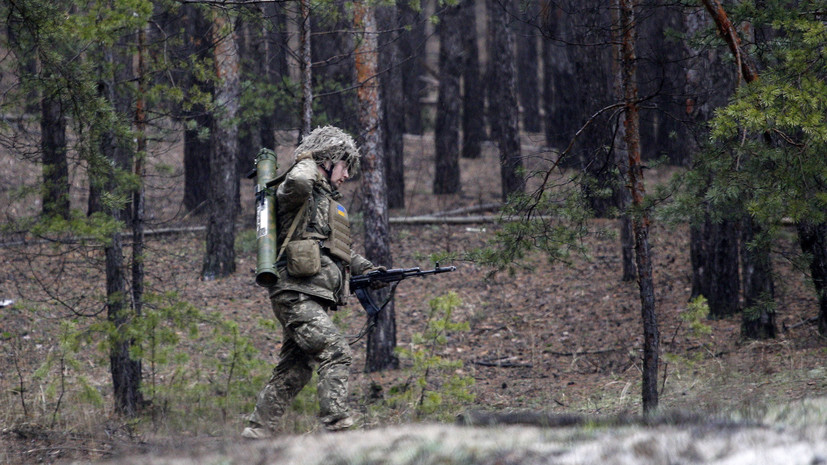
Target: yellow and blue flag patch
341, 210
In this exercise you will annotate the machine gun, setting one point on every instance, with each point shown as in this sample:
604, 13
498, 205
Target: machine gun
361, 285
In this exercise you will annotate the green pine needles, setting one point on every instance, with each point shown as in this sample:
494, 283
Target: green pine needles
436, 387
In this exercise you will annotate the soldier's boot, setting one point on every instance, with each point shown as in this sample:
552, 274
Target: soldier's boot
340, 424
256, 431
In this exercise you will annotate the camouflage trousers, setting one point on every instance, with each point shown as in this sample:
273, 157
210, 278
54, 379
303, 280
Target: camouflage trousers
310, 337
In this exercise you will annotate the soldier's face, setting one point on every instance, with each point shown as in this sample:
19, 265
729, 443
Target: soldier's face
339, 174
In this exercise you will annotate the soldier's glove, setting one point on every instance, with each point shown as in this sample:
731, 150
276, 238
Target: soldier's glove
377, 284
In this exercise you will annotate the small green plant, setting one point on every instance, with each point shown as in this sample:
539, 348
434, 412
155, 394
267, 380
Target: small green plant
695, 314
436, 386
59, 374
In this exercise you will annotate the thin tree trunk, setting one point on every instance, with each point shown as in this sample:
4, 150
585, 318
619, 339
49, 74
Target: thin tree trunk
412, 48
393, 105
382, 339
528, 68
333, 68
197, 120
53, 146
559, 64
219, 259
139, 197
305, 65
505, 111
473, 90
250, 51
641, 222
126, 371
446, 133
277, 39
621, 194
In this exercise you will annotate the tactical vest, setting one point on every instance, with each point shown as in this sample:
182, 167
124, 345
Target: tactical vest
328, 221
339, 242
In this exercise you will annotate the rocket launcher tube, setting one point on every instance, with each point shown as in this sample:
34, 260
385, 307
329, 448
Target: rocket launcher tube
265, 172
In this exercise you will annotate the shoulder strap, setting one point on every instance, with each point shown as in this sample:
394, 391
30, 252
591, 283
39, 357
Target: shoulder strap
290, 232
300, 214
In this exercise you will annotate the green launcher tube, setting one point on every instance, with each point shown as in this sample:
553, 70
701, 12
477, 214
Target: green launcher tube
266, 167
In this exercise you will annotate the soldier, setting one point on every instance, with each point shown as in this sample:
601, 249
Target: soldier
314, 264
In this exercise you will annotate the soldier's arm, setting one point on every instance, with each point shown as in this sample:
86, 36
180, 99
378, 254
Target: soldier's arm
298, 185
359, 264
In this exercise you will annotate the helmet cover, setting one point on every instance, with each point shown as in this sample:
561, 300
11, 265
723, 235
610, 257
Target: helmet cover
330, 143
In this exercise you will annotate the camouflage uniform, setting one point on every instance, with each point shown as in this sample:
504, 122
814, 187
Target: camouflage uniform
301, 304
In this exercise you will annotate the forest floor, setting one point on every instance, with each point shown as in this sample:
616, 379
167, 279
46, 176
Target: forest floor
550, 337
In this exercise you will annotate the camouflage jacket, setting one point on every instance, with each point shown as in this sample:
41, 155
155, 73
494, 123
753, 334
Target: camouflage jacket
306, 191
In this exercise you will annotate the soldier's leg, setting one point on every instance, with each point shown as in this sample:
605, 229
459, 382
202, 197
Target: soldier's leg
290, 375
314, 331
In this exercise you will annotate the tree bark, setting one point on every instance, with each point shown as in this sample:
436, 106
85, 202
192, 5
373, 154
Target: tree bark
252, 70
640, 223
622, 195
219, 260
723, 285
55, 165
758, 320
382, 338
562, 117
813, 241
412, 48
333, 69
306, 68
446, 133
393, 105
276, 47
197, 121
528, 78
473, 90
503, 79
125, 371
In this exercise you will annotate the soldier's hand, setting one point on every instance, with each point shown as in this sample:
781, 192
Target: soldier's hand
378, 284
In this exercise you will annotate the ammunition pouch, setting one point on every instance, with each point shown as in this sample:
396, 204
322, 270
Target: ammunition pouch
303, 258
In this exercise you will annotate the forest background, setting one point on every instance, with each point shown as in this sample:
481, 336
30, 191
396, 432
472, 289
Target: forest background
128, 301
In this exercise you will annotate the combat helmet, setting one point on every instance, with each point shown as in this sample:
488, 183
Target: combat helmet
330, 143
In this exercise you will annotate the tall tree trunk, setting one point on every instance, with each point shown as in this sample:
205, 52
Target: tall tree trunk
382, 338
333, 71
253, 69
473, 90
412, 49
758, 319
306, 68
722, 271
446, 133
219, 259
126, 371
139, 196
622, 195
503, 79
197, 121
528, 78
813, 241
559, 63
55, 165
758, 286
393, 105
640, 223
276, 45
